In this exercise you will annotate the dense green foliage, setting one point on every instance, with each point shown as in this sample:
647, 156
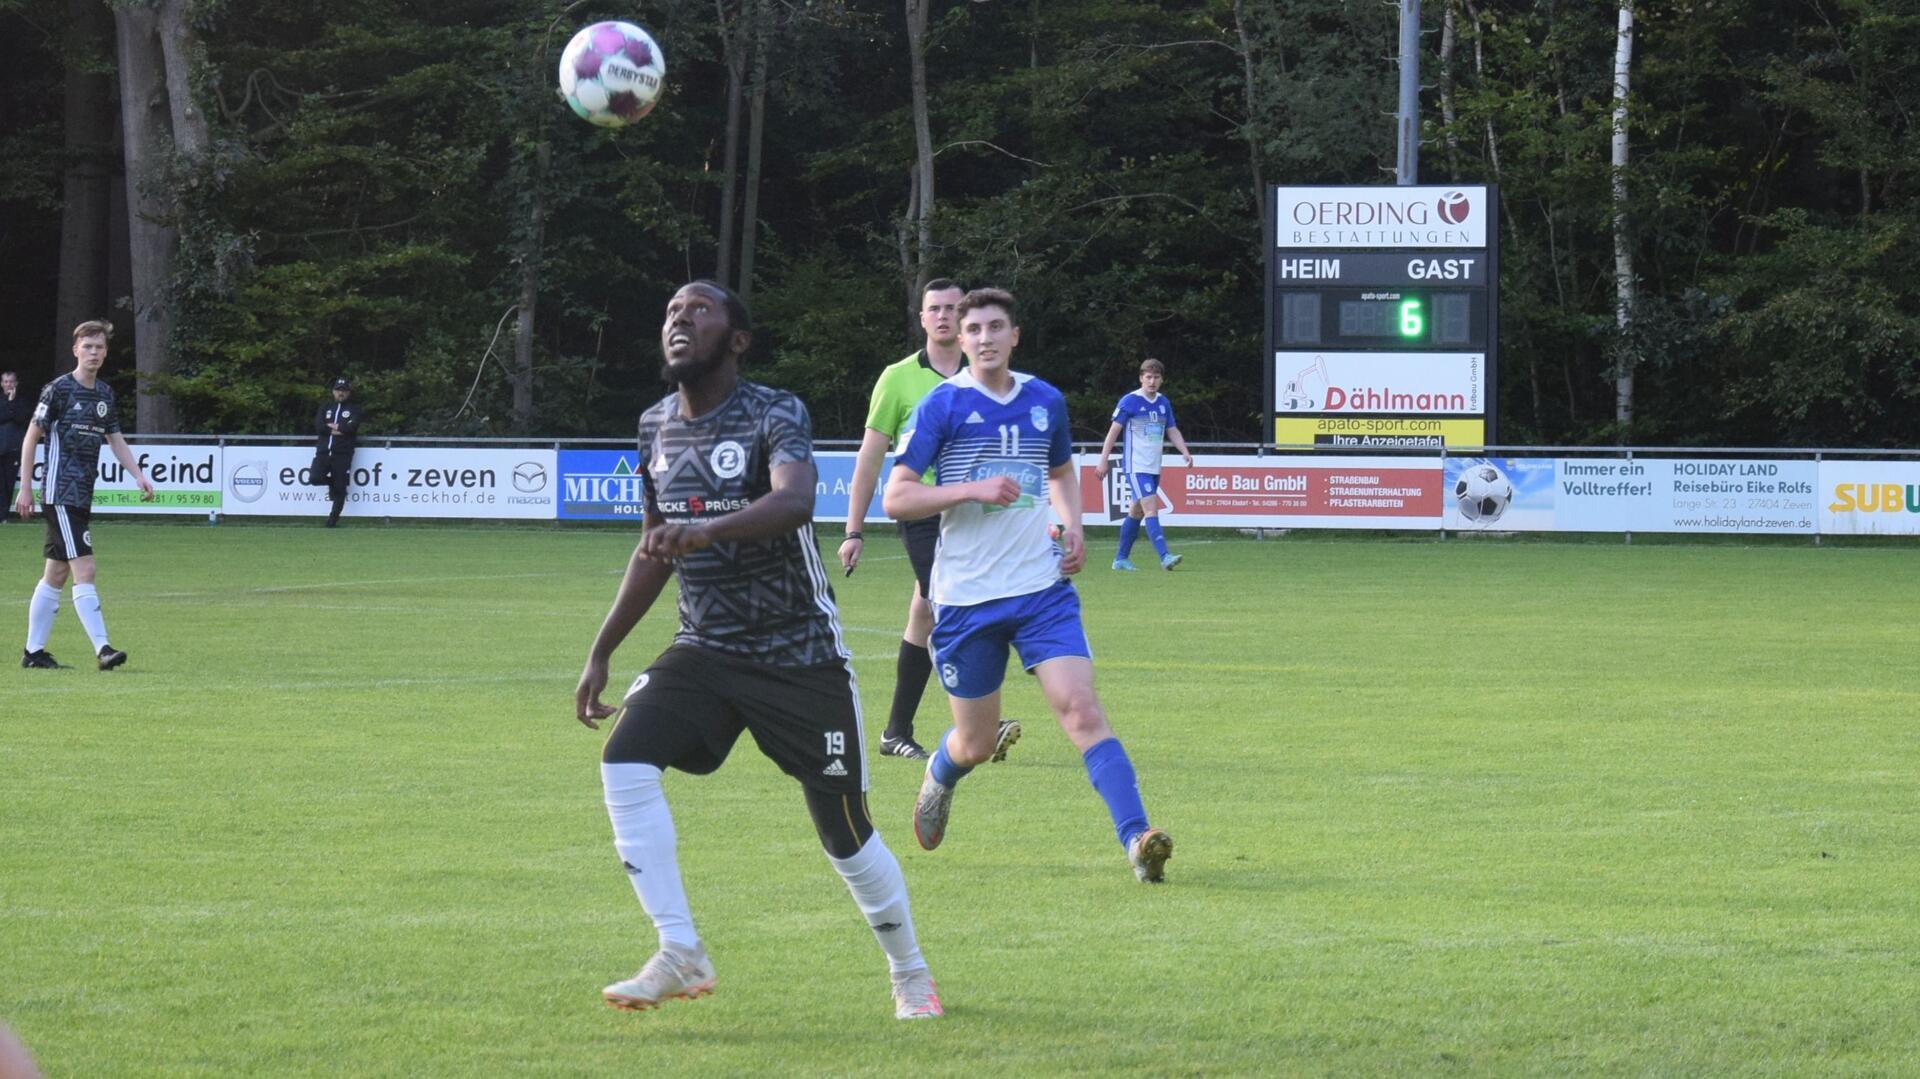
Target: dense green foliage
370, 202
1562, 844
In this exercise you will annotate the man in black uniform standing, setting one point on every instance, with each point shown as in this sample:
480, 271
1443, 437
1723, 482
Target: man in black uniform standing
728, 480
337, 429
15, 412
76, 414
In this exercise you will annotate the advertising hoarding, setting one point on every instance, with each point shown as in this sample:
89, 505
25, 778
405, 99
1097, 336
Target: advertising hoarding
1869, 498
185, 477
1281, 492
1396, 383
1333, 218
1548, 494
501, 484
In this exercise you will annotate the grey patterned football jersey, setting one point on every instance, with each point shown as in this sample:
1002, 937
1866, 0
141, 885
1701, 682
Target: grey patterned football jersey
77, 421
768, 599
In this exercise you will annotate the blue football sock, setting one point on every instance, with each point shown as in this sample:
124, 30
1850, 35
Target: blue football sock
1112, 776
1129, 531
1157, 535
944, 770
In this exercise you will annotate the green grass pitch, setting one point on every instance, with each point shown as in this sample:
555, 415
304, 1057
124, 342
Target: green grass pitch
1440, 807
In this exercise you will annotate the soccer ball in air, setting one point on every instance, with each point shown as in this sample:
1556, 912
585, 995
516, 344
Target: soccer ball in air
611, 73
1482, 492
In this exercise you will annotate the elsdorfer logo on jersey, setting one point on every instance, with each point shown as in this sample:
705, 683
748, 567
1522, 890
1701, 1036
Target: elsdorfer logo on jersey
1363, 217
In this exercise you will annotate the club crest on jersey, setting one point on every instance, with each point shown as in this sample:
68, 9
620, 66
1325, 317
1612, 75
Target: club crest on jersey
728, 460
1039, 417
100, 409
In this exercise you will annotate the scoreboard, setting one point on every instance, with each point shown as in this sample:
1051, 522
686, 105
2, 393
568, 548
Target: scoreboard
1381, 309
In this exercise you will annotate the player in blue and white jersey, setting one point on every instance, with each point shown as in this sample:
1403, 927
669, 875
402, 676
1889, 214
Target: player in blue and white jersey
728, 477
1002, 446
76, 415
1145, 418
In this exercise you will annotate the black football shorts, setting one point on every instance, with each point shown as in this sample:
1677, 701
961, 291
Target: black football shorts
688, 708
69, 532
922, 538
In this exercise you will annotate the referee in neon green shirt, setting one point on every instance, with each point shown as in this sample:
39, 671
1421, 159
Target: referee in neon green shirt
895, 395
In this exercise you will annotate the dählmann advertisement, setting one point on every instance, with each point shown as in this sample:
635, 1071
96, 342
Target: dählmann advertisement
394, 482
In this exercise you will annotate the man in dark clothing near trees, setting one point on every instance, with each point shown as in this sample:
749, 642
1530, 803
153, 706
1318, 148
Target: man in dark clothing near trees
337, 427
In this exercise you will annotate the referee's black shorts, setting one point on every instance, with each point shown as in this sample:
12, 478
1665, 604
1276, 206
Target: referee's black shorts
922, 538
687, 710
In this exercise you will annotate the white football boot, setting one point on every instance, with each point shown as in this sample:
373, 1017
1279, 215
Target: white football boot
915, 997
672, 972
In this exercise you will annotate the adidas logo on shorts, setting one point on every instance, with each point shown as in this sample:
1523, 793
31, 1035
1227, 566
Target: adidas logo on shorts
834, 768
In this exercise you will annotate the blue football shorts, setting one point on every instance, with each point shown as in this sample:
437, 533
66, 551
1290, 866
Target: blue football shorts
1144, 485
970, 644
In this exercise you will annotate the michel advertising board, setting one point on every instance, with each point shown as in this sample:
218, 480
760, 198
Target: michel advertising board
1869, 498
604, 485
394, 482
1281, 492
1554, 494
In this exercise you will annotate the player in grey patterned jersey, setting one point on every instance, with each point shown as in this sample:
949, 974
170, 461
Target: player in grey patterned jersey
728, 475
76, 415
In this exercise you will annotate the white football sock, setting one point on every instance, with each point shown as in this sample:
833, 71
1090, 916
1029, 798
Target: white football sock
643, 834
40, 611
86, 604
873, 876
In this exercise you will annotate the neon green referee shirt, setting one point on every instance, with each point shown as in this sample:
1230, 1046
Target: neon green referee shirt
900, 389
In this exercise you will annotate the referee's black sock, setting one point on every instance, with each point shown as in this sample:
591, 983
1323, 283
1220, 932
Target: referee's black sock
910, 673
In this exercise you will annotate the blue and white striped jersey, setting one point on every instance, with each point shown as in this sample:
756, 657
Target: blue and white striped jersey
991, 552
1146, 423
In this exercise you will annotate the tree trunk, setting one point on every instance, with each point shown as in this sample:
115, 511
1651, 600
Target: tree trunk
923, 148
87, 190
1250, 94
1447, 113
530, 265
734, 46
762, 29
1623, 281
181, 48
151, 234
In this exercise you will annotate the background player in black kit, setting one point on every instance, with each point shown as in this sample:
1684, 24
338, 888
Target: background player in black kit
336, 429
76, 415
728, 474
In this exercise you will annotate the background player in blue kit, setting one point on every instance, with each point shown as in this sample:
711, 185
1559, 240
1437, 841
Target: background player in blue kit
728, 479
1145, 417
76, 415
1003, 449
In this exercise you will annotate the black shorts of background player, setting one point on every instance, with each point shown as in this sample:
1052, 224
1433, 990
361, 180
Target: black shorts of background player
728, 485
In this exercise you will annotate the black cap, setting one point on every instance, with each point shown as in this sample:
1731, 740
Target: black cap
342, 384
